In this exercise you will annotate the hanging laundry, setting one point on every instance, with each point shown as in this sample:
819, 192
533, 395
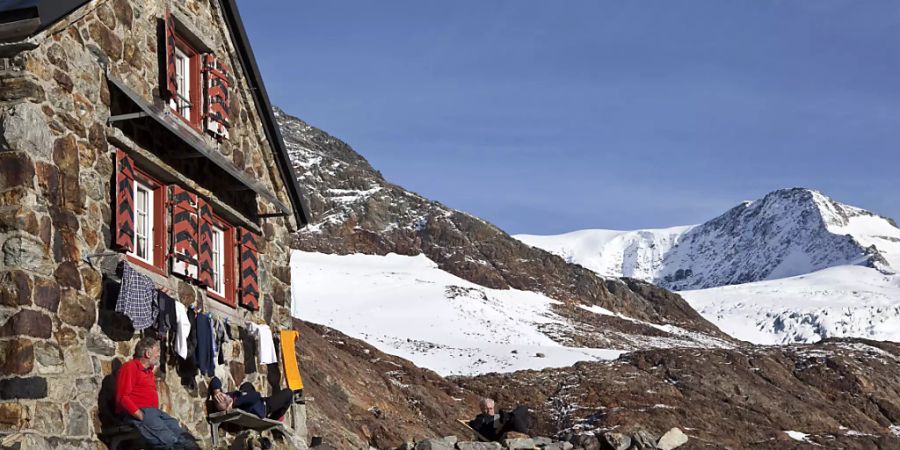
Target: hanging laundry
220, 336
182, 330
204, 355
215, 345
228, 335
166, 319
137, 298
249, 345
289, 359
192, 336
266, 345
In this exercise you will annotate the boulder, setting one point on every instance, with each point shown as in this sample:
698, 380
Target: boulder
643, 439
541, 441
519, 443
478, 446
435, 444
673, 438
586, 441
616, 441
559, 446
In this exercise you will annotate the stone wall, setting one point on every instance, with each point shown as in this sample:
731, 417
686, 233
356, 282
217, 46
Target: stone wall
56, 169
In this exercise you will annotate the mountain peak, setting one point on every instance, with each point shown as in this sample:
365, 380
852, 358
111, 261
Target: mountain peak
787, 232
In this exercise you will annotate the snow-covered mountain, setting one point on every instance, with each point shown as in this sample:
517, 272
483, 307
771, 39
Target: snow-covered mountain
376, 252
794, 266
788, 232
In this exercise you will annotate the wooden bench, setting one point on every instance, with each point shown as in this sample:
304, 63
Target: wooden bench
243, 420
122, 433
478, 435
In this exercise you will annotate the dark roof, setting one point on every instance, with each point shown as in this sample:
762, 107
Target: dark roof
19, 20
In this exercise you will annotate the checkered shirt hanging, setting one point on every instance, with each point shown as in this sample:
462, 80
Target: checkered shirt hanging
137, 298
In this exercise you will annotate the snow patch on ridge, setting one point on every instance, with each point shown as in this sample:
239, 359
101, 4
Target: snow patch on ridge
407, 306
845, 301
634, 254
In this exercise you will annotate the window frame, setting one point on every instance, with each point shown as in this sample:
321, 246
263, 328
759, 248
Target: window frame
229, 263
147, 211
194, 80
158, 222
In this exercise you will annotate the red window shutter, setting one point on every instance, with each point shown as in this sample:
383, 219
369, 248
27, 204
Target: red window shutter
124, 202
184, 232
171, 87
249, 270
205, 236
217, 101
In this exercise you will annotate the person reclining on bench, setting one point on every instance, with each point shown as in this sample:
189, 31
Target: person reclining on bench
493, 426
247, 399
137, 402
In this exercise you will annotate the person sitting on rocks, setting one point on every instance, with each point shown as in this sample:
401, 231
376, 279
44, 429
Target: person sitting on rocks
138, 403
247, 399
493, 426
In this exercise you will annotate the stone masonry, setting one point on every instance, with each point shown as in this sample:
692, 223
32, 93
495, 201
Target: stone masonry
56, 173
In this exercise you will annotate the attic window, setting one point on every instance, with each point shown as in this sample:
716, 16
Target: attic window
187, 78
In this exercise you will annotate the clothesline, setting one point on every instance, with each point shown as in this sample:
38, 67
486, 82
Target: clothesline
146, 305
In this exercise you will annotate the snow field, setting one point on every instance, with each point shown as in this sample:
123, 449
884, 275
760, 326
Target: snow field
408, 307
843, 301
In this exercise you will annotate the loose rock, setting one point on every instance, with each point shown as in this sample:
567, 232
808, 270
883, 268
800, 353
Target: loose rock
617, 441
673, 438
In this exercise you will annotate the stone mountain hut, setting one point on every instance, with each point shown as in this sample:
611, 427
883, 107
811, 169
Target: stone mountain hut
135, 133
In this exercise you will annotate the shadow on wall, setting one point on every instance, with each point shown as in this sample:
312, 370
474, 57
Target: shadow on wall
115, 325
106, 398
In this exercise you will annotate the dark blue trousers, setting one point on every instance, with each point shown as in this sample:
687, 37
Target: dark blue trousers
162, 431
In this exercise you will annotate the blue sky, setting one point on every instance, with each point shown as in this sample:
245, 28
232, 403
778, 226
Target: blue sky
546, 117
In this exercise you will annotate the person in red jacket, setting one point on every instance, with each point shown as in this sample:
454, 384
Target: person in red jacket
138, 403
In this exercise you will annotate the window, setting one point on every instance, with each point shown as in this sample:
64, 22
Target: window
218, 259
224, 264
183, 77
187, 77
149, 223
143, 222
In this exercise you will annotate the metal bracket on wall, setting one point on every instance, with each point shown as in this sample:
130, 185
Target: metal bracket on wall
87, 258
129, 116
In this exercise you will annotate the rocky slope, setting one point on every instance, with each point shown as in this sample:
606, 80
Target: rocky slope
355, 210
836, 394
788, 232
362, 397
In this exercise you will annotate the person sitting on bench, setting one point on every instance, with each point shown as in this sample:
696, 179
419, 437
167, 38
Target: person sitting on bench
246, 398
493, 426
138, 403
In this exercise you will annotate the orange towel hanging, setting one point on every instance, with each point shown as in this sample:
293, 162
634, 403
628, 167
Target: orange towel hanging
289, 357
